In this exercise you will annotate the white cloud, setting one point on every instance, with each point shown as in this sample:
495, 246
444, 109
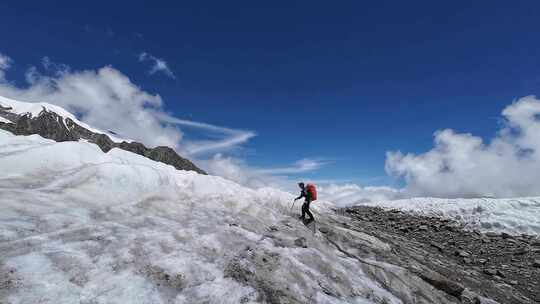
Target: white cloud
230, 137
301, 166
107, 99
237, 170
5, 64
335, 191
353, 194
54, 67
158, 64
462, 165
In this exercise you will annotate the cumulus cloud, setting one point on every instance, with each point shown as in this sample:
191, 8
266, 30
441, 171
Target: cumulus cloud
107, 99
158, 64
463, 165
5, 64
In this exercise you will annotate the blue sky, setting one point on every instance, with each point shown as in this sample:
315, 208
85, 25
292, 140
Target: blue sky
338, 82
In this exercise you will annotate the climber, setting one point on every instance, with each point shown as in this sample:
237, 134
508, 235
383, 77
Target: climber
308, 192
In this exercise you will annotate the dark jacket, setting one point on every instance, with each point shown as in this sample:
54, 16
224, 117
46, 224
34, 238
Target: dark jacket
306, 194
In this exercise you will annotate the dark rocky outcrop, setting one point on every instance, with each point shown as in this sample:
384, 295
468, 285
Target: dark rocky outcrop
50, 125
442, 283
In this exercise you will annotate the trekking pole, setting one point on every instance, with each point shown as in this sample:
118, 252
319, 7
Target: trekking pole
294, 201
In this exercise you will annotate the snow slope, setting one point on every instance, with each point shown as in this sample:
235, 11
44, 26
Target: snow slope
81, 226
514, 215
34, 108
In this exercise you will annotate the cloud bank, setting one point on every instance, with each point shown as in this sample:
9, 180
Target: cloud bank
107, 99
463, 165
158, 64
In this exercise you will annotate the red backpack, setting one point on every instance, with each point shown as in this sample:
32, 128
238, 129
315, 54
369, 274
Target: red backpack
312, 191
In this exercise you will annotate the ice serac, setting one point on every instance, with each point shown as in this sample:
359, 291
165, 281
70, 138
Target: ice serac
54, 123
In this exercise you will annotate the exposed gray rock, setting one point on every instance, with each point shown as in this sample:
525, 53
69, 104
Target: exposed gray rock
506, 235
442, 283
324, 230
8, 280
254, 268
492, 234
468, 297
462, 253
521, 251
484, 300
440, 247
162, 277
301, 242
490, 271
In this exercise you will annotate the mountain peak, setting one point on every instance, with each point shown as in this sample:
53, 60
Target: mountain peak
54, 122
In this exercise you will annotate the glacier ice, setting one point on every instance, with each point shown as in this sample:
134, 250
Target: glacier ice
81, 226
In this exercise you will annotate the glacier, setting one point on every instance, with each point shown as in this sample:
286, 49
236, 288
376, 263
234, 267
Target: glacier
81, 226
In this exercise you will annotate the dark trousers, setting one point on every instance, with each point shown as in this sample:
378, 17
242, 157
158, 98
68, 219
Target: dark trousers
305, 209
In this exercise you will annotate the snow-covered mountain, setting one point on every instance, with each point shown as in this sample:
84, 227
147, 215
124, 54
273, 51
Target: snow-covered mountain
53, 122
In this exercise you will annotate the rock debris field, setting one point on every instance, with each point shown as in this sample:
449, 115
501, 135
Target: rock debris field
501, 266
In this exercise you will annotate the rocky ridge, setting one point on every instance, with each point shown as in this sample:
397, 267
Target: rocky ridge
50, 125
